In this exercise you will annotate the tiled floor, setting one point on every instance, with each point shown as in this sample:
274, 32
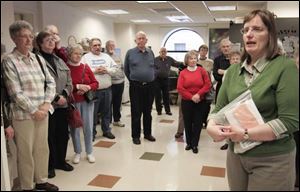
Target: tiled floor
161, 165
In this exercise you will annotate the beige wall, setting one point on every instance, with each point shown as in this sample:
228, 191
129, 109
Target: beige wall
7, 17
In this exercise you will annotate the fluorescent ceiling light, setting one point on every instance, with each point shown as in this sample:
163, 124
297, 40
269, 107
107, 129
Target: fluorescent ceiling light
223, 19
114, 11
222, 8
151, 1
140, 21
179, 19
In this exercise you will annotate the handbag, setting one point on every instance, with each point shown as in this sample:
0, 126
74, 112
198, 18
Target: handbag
210, 95
74, 118
90, 95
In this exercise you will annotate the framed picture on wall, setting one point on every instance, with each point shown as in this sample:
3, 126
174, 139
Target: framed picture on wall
215, 37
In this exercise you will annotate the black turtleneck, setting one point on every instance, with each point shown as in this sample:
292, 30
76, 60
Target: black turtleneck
50, 59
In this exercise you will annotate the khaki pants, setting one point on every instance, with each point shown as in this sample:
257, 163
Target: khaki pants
33, 152
12, 160
180, 128
274, 173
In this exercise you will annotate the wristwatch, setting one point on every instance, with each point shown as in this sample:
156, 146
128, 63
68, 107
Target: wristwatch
246, 136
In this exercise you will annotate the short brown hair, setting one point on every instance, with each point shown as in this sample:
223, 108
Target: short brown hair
234, 53
40, 37
268, 19
203, 47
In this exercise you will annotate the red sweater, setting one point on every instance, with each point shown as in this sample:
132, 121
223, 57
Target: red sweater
89, 79
192, 82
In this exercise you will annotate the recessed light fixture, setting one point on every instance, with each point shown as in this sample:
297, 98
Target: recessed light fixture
179, 19
151, 1
140, 21
222, 8
223, 19
114, 11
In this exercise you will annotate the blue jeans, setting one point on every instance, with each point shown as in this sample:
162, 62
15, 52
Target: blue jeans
103, 106
86, 112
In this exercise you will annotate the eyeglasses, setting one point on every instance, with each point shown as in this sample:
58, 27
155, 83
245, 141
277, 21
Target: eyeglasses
254, 30
49, 39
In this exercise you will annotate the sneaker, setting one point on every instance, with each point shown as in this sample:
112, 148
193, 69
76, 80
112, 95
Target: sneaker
91, 158
119, 124
76, 159
46, 187
108, 135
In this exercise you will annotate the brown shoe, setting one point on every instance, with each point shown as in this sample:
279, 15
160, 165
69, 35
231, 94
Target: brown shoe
46, 186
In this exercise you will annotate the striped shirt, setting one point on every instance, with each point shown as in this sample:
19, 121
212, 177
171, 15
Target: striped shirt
26, 84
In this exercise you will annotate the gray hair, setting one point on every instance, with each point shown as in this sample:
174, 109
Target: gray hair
94, 39
224, 41
140, 33
71, 48
109, 42
17, 26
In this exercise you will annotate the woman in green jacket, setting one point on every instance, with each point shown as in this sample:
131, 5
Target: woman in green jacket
273, 82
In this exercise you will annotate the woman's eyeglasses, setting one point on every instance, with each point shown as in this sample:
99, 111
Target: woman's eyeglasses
253, 30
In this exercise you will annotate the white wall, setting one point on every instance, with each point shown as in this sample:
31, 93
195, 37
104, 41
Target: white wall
7, 17
73, 21
124, 37
284, 8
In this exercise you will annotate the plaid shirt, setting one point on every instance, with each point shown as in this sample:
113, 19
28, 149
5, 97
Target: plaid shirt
25, 82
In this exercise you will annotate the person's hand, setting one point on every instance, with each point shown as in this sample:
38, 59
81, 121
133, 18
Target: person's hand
216, 131
221, 71
196, 98
62, 100
39, 115
101, 70
57, 41
45, 107
235, 133
83, 87
9, 132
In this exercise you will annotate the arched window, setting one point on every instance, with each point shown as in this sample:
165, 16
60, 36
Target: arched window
180, 41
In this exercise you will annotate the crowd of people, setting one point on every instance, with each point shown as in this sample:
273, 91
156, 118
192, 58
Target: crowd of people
39, 83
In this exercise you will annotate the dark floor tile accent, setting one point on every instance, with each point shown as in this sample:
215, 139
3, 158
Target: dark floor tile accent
213, 171
106, 144
166, 121
152, 156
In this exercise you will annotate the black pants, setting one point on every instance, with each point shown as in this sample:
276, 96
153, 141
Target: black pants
141, 100
217, 90
117, 92
58, 137
193, 119
162, 87
206, 110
